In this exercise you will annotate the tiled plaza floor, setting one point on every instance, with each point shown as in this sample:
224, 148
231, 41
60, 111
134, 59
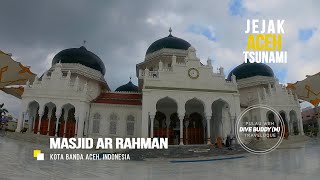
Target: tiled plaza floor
300, 162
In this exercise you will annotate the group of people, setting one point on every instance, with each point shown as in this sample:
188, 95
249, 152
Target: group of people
228, 142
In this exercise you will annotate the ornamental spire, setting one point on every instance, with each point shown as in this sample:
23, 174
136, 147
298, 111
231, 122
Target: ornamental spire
170, 30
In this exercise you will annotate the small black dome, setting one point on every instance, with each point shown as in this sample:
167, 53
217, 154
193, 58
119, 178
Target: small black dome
129, 87
82, 56
247, 70
170, 42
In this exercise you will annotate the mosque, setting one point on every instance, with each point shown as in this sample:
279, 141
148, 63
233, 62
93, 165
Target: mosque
177, 97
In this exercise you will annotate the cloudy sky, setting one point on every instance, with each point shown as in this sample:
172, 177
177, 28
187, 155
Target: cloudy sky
119, 32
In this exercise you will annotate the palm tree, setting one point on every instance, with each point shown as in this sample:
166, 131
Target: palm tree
3, 111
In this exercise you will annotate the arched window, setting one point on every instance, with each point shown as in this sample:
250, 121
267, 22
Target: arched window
130, 125
96, 123
113, 123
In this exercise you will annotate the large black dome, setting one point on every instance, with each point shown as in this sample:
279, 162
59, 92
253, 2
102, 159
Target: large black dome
82, 56
129, 87
247, 70
170, 42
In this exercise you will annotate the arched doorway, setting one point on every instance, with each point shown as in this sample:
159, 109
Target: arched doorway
194, 132
46, 118
44, 121
285, 128
174, 129
33, 111
194, 129
273, 122
220, 120
164, 121
270, 117
293, 123
67, 122
53, 120
160, 126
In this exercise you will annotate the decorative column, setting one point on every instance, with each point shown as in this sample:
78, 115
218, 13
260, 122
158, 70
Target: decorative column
221, 127
186, 124
41, 112
34, 119
167, 124
25, 115
291, 129
20, 121
49, 117
80, 124
300, 123
289, 125
65, 118
152, 123
58, 113
76, 126
31, 122
87, 126
233, 120
208, 129
181, 117
301, 127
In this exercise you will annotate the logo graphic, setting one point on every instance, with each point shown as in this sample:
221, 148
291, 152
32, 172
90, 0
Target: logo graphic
263, 131
37, 154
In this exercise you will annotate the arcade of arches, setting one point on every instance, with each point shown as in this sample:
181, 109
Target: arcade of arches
291, 127
196, 126
49, 121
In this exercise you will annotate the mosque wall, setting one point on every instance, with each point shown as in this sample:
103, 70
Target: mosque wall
111, 120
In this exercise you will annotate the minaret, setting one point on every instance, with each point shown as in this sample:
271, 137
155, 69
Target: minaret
270, 89
146, 72
67, 79
264, 93
76, 84
160, 66
174, 60
209, 62
259, 97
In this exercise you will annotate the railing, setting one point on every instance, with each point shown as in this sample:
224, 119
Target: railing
169, 69
154, 74
181, 63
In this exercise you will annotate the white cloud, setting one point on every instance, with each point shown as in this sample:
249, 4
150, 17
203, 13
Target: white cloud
120, 32
302, 56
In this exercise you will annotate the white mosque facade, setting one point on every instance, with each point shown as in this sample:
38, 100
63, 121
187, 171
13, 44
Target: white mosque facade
177, 97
